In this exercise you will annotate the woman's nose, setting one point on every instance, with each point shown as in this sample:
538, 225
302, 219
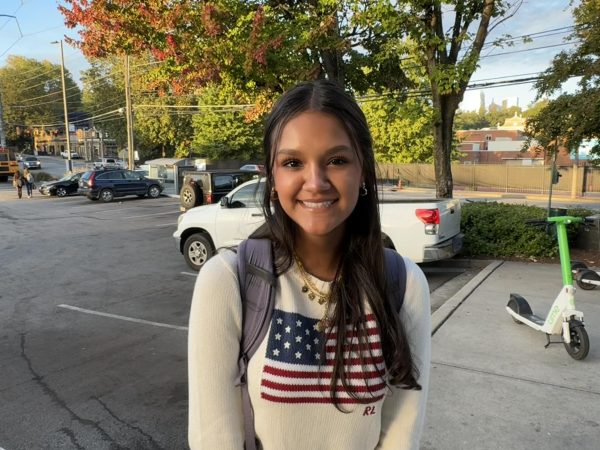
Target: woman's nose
316, 179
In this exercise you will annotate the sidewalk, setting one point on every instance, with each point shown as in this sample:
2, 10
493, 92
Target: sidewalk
494, 386
589, 198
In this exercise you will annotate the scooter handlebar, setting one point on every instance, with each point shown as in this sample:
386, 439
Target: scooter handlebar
564, 219
536, 222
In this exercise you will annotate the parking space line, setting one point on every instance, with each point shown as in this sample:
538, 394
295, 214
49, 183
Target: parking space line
128, 319
150, 215
190, 274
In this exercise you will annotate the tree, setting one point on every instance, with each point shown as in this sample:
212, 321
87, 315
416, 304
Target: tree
270, 45
470, 120
535, 108
577, 114
401, 131
103, 96
32, 96
439, 51
227, 131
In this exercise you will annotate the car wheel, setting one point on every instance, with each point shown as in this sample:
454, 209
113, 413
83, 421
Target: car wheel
153, 191
197, 250
107, 195
189, 196
61, 191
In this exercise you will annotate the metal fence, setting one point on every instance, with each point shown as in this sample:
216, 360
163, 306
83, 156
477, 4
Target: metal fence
498, 177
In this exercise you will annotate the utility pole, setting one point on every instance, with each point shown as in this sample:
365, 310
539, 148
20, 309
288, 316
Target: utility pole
2, 137
129, 116
64, 92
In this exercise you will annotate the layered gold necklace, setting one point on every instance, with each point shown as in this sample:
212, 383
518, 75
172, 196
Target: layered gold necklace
314, 293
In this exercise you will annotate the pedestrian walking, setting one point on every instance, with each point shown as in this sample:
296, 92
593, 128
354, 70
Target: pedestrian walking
18, 183
29, 182
341, 365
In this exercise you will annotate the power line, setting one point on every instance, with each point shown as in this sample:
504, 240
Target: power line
116, 111
530, 49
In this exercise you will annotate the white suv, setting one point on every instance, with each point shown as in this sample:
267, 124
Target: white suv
65, 155
107, 163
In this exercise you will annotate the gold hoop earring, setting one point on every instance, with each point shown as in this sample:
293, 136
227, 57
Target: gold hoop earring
274, 195
362, 191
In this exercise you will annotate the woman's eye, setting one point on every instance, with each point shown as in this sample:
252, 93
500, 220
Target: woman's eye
338, 161
293, 163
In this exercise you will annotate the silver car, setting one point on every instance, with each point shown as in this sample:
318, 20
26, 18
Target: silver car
31, 162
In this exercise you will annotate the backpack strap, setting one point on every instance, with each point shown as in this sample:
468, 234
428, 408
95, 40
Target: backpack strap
257, 281
396, 278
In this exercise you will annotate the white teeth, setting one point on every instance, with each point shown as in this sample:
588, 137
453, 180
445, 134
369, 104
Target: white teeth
319, 205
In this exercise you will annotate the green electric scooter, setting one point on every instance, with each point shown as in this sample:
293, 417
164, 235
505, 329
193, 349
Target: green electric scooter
562, 319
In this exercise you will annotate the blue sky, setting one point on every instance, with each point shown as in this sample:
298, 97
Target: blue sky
40, 23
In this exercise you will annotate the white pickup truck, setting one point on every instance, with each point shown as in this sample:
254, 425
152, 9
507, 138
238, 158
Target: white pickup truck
422, 229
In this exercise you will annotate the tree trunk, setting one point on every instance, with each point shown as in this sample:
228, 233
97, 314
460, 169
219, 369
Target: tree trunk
442, 138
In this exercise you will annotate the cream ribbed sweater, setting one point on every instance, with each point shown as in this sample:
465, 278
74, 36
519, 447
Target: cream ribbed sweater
291, 405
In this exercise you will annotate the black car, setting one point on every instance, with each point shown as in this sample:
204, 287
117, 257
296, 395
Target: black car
108, 184
67, 185
204, 187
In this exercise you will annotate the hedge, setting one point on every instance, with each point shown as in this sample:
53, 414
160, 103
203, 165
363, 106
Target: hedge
499, 230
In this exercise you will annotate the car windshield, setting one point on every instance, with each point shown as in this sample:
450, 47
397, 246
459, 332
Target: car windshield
75, 176
31, 158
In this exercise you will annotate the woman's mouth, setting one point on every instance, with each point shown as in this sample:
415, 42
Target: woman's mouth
317, 205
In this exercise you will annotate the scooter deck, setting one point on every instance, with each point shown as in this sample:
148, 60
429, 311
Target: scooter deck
533, 318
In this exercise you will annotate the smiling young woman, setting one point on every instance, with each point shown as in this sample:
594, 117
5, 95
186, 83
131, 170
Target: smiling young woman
339, 367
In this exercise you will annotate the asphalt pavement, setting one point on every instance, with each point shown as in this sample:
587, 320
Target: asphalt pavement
494, 385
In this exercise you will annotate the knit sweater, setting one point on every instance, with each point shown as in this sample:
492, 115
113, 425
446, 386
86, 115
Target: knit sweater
292, 405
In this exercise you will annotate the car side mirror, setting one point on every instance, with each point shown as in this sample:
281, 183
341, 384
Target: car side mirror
225, 202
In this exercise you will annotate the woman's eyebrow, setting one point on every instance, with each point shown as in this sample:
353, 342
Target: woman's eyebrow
296, 152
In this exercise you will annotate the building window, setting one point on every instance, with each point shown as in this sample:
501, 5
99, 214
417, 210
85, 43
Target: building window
488, 137
62, 148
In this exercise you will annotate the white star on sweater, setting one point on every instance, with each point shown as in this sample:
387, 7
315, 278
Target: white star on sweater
276, 352
286, 345
288, 329
298, 323
298, 355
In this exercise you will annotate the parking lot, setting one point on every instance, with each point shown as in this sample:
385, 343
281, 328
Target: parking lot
94, 304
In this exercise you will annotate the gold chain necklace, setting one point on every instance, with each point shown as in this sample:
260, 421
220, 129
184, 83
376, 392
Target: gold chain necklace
313, 293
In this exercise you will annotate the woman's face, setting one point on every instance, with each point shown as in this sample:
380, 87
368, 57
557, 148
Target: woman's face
317, 174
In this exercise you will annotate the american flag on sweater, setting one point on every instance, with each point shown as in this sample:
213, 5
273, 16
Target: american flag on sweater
298, 371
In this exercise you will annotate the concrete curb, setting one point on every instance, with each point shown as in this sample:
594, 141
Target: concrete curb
447, 309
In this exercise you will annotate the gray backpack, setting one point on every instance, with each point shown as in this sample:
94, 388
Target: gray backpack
256, 275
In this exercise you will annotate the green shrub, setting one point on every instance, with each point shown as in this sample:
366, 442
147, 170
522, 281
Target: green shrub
499, 230
43, 176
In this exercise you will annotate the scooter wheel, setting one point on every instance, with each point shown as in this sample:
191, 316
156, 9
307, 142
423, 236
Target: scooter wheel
587, 275
579, 346
576, 265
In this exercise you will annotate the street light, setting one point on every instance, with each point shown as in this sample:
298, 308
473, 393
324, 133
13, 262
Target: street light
69, 162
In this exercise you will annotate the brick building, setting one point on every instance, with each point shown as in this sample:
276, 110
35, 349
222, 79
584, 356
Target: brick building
89, 143
503, 145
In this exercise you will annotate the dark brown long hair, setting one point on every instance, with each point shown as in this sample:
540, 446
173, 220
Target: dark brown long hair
362, 257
